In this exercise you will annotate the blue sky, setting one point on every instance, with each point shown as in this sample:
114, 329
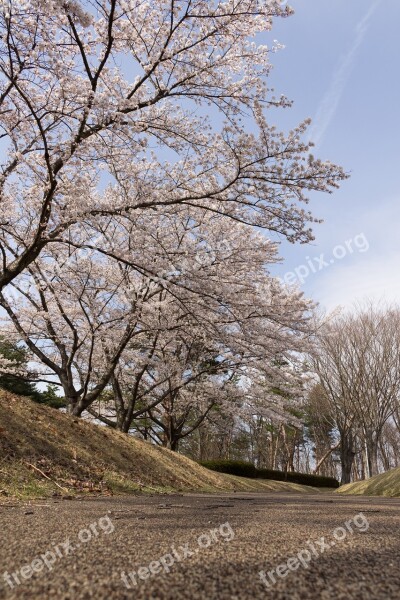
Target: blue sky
341, 66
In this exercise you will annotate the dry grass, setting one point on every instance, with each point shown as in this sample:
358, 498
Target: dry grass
45, 452
386, 484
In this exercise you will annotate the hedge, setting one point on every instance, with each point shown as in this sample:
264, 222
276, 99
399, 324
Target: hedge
302, 478
247, 469
232, 467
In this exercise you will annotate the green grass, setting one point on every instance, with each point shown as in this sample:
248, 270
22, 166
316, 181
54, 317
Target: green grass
386, 484
17, 482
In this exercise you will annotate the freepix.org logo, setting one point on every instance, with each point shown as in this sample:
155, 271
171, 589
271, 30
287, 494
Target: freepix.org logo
46, 561
315, 264
163, 564
313, 550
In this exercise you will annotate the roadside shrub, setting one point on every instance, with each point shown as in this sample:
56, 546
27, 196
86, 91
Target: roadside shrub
271, 474
247, 469
231, 467
301, 478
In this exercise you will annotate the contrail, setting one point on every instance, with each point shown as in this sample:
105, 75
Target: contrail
331, 100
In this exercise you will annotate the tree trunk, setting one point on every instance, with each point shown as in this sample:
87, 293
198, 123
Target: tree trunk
73, 405
324, 457
172, 443
123, 423
347, 455
75, 409
372, 456
385, 456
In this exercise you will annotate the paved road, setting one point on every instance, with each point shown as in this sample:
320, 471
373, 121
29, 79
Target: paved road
202, 547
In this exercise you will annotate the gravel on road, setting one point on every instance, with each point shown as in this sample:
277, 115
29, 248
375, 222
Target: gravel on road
222, 547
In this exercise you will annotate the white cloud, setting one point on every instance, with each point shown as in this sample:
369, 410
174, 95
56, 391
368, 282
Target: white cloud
344, 285
330, 103
372, 274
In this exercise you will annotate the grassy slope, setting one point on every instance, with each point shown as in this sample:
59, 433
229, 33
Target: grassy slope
386, 484
80, 457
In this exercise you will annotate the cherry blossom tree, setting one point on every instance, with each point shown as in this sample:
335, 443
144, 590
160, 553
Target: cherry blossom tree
220, 314
105, 113
140, 164
73, 322
215, 310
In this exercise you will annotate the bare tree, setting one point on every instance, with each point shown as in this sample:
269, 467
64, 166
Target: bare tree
357, 360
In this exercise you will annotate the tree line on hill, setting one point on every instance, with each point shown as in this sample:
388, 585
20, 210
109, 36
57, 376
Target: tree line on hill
344, 421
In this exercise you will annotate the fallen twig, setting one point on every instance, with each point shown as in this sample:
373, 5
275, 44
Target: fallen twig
47, 477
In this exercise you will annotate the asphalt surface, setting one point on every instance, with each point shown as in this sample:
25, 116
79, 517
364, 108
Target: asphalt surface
202, 547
